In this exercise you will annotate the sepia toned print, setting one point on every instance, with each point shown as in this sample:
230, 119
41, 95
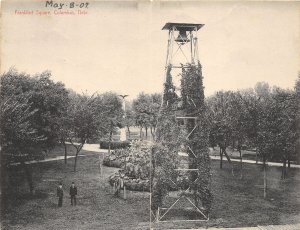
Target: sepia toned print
150, 115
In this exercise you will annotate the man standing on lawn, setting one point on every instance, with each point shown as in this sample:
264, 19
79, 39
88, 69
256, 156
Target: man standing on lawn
60, 194
73, 193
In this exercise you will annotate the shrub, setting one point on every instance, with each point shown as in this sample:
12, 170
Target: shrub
132, 184
134, 160
112, 163
116, 158
114, 144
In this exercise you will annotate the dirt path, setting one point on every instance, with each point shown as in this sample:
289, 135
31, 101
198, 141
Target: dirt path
95, 149
254, 162
87, 147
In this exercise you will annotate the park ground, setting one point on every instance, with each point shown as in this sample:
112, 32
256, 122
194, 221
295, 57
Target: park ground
237, 202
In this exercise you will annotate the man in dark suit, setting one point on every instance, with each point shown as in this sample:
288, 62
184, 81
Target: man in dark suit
60, 194
73, 193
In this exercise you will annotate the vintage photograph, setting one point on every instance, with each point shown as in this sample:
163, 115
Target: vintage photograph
150, 114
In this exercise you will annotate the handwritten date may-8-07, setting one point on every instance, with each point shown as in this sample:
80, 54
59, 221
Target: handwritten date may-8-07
60, 5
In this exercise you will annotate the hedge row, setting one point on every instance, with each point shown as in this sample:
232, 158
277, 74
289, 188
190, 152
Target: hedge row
114, 144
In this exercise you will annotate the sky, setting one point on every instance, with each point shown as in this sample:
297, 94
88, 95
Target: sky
119, 46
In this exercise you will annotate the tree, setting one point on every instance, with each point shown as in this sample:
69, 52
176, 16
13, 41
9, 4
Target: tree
142, 116
154, 111
221, 111
91, 117
29, 110
257, 106
297, 101
63, 133
274, 124
83, 122
129, 119
285, 126
63, 123
47, 97
146, 108
20, 141
255, 102
113, 113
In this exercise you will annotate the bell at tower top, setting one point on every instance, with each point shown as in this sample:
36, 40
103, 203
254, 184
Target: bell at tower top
182, 26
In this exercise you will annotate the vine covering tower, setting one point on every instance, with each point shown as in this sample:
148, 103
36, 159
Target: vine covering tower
181, 157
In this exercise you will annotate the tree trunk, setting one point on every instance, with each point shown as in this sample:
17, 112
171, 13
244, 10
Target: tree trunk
226, 155
28, 174
221, 158
146, 128
283, 170
241, 162
109, 141
141, 132
289, 163
128, 131
229, 160
4, 187
66, 151
265, 178
76, 155
75, 163
152, 133
256, 156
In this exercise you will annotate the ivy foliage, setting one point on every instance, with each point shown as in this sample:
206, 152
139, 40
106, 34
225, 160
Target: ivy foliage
172, 136
167, 143
192, 92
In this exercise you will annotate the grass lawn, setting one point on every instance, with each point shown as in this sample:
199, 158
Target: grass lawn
237, 202
240, 203
246, 154
96, 208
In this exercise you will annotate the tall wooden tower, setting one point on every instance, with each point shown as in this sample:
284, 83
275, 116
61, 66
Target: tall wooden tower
188, 111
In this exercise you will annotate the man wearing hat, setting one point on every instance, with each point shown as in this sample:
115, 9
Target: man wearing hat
73, 193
